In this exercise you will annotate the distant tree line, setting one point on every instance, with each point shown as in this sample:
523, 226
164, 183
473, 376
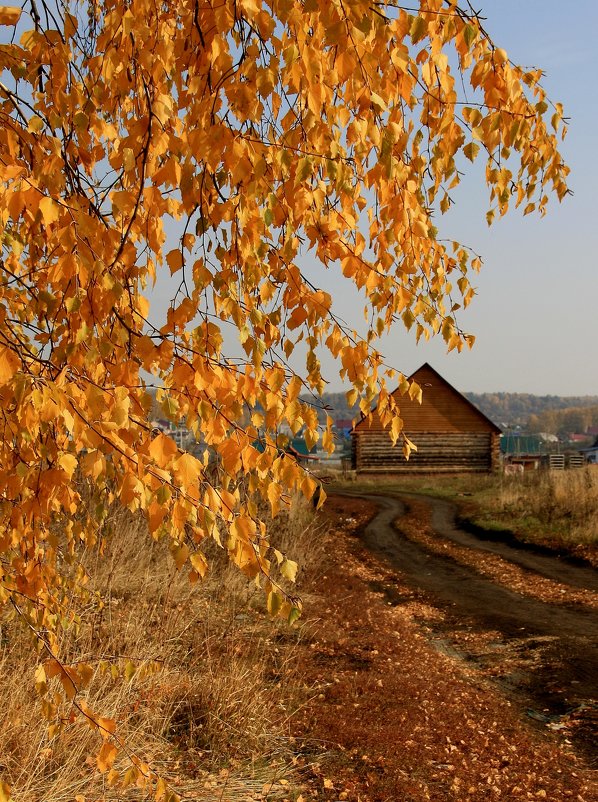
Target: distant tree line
564, 421
543, 411
553, 414
333, 404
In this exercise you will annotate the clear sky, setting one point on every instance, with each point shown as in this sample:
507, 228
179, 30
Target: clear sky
536, 313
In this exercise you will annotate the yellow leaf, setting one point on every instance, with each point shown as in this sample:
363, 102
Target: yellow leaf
113, 778
131, 491
86, 673
52, 668
68, 463
377, 102
9, 15
396, 427
308, 486
174, 260
130, 776
106, 725
40, 680
93, 464
9, 364
162, 450
106, 756
408, 447
419, 28
180, 554
50, 210
161, 789
274, 494
321, 498
274, 602
188, 470
415, 392
304, 169
180, 514
156, 514
289, 570
70, 25
244, 556
128, 159
199, 563
471, 150
420, 229
68, 679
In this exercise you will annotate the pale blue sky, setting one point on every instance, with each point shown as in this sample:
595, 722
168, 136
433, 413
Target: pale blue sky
536, 313
535, 316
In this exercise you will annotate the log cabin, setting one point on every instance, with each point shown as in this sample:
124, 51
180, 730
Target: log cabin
451, 434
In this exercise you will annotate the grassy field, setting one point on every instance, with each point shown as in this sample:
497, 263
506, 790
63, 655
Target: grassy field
196, 677
199, 679
556, 507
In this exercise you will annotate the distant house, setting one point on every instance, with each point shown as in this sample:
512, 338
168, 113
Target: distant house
518, 444
578, 437
343, 426
450, 433
295, 446
591, 454
298, 448
180, 434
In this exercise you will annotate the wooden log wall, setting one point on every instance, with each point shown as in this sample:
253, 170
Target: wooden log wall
437, 452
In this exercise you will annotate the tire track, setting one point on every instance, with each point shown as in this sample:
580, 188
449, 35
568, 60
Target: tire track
555, 646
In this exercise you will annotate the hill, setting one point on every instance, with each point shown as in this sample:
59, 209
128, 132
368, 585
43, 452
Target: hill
539, 413
516, 409
548, 413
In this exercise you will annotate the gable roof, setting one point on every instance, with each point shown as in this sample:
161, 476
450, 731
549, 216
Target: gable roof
443, 408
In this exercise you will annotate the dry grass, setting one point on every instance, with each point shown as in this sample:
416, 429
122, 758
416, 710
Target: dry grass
561, 504
440, 485
196, 677
548, 506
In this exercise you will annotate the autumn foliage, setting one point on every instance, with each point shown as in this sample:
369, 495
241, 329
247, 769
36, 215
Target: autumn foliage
232, 145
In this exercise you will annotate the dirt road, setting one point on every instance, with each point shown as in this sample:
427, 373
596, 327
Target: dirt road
451, 666
549, 651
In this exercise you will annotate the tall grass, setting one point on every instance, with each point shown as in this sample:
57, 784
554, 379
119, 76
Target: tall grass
563, 503
195, 676
557, 506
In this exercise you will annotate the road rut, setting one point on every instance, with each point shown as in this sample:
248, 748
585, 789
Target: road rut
546, 654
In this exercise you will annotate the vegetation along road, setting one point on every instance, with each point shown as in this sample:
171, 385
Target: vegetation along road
524, 616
